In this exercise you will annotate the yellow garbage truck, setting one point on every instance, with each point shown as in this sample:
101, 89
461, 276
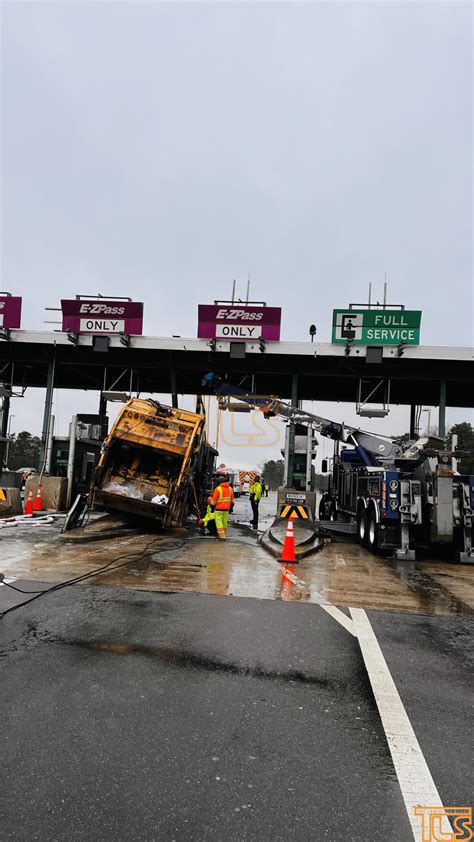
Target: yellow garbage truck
155, 463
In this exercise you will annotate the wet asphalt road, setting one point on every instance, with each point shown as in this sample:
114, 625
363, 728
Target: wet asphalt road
141, 715
171, 717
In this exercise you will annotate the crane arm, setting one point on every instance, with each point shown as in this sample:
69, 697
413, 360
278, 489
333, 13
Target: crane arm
380, 447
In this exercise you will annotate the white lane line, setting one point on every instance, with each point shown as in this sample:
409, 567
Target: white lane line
416, 783
340, 617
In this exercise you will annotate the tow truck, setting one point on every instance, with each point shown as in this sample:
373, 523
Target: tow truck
401, 497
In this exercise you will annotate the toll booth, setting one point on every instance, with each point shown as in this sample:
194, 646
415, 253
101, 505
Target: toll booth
299, 452
86, 457
86, 435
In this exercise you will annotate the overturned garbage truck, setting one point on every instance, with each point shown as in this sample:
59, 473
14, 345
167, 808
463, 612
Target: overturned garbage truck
155, 463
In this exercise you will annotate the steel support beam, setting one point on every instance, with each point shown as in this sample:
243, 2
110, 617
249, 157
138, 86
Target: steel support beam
48, 408
290, 458
412, 421
102, 406
5, 416
174, 393
442, 410
4, 432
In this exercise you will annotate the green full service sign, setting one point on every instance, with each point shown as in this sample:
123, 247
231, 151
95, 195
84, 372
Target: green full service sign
376, 327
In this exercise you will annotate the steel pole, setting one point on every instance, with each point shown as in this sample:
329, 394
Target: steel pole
287, 456
4, 433
442, 410
5, 416
174, 393
309, 457
290, 457
70, 461
49, 448
48, 406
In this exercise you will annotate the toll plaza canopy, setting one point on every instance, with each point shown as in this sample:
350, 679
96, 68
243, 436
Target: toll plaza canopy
325, 372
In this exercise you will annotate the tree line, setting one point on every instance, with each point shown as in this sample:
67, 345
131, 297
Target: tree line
23, 451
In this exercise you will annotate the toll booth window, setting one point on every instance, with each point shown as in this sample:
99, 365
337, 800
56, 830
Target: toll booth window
88, 464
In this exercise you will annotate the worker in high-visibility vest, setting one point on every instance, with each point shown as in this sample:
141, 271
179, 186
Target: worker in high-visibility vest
209, 519
255, 495
223, 497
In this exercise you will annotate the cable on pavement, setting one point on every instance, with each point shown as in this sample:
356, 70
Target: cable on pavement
106, 567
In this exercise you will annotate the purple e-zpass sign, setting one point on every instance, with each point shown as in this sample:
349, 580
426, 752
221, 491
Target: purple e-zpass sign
10, 311
238, 322
101, 316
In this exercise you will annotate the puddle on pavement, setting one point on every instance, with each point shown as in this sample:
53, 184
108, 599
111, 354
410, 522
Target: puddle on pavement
178, 562
198, 661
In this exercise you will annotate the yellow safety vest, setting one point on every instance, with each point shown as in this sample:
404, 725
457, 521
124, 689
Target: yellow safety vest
256, 490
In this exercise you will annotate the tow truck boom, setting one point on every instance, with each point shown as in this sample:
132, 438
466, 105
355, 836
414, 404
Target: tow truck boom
378, 449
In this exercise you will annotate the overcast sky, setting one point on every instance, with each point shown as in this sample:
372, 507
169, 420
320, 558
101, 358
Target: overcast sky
161, 150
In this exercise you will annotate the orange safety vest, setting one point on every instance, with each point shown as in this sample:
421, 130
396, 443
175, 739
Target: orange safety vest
223, 497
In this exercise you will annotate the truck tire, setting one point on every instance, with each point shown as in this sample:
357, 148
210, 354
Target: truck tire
362, 528
325, 507
372, 532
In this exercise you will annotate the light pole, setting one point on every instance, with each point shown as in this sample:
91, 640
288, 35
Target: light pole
7, 449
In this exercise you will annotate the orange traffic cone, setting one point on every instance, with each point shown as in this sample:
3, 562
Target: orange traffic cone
29, 503
38, 506
288, 553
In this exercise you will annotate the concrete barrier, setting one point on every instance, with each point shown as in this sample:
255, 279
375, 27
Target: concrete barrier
10, 502
292, 497
54, 492
307, 538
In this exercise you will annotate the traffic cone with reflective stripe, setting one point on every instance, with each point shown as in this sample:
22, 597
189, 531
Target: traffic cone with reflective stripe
38, 506
29, 503
288, 553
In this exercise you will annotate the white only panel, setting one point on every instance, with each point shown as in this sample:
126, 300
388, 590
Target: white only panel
233, 331
102, 326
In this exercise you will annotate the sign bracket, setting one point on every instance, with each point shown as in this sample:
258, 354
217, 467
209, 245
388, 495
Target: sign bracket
380, 390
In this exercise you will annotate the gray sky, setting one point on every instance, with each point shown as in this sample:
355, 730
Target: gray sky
160, 150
